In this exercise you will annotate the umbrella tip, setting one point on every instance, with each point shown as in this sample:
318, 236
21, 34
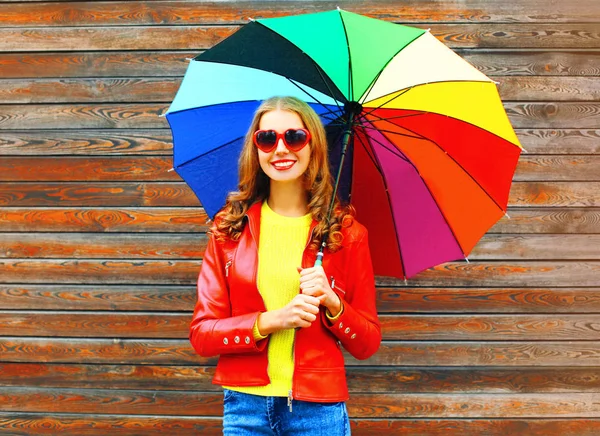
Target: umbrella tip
506, 215
428, 30
405, 281
172, 169
163, 115
467, 259
524, 151
189, 59
251, 19
338, 8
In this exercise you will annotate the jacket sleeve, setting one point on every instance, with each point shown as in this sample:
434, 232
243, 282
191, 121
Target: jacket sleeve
213, 330
358, 328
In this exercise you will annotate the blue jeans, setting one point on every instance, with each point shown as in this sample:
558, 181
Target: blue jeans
246, 414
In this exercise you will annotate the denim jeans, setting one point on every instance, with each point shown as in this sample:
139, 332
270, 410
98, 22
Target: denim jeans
246, 414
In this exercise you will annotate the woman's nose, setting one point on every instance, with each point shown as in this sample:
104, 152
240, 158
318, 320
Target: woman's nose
281, 148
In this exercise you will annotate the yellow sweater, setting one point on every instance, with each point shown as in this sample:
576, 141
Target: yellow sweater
281, 243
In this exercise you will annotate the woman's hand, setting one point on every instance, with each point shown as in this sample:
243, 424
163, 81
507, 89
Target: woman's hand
313, 282
300, 312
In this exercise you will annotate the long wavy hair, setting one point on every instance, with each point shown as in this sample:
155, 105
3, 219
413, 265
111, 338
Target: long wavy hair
254, 184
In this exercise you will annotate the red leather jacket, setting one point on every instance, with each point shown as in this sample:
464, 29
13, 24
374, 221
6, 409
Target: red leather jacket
229, 303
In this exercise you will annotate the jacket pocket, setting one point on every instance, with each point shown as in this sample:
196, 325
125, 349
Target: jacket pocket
337, 285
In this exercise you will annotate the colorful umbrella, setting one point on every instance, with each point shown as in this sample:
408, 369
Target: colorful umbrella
431, 152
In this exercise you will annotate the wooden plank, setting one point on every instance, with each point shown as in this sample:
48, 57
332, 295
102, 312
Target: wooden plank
581, 405
183, 220
502, 62
44, 39
101, 90
116, 298
102, 424
191, 246
484, 35
183, 12
89, 142
136, 63
579, 115
560, 141
524, 88
530, 327
487, 300
122, 142
141, 90
86, 424
360, 380
178, 194
389, 300
171, 272
151, 168
548, 220
185, 272
411, 353
476, 427
110, 168
140, 220
492, 62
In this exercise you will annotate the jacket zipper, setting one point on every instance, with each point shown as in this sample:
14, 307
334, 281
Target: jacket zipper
227, 265
291, 392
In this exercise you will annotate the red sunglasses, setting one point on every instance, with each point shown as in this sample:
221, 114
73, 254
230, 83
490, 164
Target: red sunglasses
294, 139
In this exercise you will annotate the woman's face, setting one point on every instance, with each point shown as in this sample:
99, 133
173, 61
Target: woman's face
281, 164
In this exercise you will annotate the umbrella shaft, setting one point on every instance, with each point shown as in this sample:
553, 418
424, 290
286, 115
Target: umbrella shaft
345, 142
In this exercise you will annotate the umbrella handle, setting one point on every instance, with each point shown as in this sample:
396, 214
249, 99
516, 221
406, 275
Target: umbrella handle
319, 261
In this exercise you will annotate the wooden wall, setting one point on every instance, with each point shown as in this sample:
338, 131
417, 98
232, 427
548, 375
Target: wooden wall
100, 246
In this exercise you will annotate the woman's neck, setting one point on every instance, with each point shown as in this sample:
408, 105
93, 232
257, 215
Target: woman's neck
288, 199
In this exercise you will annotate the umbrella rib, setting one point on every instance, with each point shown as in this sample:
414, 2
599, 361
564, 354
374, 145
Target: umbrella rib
326, 84
457, 163
387, 193
329, 111
350, 90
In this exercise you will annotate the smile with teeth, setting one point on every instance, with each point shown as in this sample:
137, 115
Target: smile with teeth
282, 165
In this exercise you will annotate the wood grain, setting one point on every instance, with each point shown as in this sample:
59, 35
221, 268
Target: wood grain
186, 37
486, 300
166, 219
165, 63
101, 297
182, 12
113, 142
102, 424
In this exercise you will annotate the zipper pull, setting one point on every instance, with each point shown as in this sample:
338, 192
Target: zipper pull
332, 282
227, 265
290, 400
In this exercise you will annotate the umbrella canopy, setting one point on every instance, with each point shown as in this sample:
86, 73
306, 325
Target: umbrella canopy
432, 152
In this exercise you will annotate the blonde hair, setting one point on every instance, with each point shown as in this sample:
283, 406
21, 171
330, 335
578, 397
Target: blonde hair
254, 184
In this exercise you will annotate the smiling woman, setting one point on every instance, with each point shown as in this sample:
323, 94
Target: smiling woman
278, 321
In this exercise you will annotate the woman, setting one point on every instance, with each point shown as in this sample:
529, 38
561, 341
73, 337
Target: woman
276, 321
